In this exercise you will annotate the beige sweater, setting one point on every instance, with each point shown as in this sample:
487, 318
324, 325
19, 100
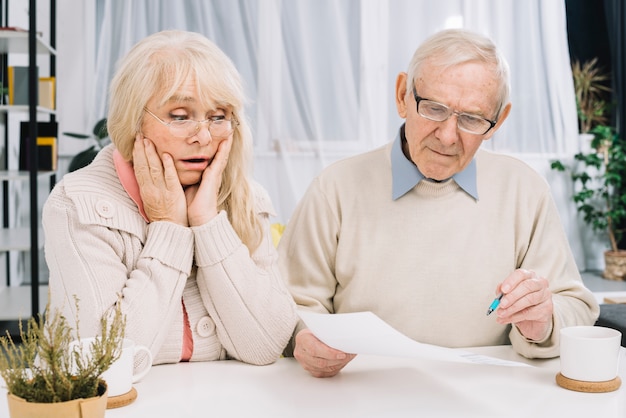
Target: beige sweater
429, 262
97, 246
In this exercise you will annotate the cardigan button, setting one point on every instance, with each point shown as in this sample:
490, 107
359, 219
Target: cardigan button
206, 326
105, 209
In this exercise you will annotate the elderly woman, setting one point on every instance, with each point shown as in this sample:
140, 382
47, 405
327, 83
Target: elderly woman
166, 221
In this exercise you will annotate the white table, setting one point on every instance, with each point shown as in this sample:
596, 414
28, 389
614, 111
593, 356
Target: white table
370, 386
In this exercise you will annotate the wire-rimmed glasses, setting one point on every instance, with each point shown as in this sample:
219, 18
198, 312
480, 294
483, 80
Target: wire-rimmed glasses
218, 127
439, 112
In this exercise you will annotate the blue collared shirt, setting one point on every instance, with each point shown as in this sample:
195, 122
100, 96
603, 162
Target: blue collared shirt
406, 175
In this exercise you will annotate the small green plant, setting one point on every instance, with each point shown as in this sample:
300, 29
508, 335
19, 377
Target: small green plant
44, 369
599, 178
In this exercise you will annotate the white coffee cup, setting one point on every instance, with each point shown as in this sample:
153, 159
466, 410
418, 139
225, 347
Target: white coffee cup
123, 373
590, 353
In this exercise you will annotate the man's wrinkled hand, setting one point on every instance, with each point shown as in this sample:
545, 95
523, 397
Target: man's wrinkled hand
527, 304
317, 358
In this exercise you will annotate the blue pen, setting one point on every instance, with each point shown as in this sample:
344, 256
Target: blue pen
495, 304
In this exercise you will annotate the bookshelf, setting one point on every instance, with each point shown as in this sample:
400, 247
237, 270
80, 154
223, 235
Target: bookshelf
20, 301
16, 42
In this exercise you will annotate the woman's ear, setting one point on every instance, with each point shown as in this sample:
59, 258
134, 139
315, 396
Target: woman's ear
401, 95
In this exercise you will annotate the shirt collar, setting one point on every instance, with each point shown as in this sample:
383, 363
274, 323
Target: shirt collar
406, 175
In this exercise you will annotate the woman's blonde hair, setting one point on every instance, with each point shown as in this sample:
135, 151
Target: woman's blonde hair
157, 66
452, 47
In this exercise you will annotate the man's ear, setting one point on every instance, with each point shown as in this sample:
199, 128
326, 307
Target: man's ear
401, 95
501, 119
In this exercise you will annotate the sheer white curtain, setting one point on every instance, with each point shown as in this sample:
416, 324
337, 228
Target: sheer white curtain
232, 25
320, 74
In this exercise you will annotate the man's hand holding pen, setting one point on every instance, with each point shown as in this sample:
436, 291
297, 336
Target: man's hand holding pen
526, 302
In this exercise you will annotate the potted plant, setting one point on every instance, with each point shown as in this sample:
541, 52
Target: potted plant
599, 177
83, 158
591, 89
44, 377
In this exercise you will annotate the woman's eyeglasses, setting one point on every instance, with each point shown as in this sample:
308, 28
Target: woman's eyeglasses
218, 128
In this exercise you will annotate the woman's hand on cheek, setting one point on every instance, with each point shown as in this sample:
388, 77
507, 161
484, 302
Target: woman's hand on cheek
202, 199
161, 193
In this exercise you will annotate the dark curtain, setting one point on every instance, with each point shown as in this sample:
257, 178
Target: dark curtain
596, 29
588, 34
615, 12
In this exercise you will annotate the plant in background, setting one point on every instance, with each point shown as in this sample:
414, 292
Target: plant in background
43, 368
591, 89
83, 158
598, 169
599, 184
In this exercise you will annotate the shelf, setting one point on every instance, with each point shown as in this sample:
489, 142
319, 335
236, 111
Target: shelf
22, 175
15, 42
25, 108
17, 239
15, 302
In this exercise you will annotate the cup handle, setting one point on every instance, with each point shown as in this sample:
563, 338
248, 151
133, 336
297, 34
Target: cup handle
140, 349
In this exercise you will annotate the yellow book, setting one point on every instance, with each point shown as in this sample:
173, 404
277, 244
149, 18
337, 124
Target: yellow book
11, 81
47, 92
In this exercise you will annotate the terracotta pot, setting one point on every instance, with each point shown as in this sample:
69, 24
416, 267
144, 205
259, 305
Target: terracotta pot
78, 408
615, 265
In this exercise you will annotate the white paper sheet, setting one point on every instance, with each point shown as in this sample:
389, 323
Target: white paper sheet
366, 333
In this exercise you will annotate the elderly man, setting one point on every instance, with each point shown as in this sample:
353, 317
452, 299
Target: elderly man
426, 231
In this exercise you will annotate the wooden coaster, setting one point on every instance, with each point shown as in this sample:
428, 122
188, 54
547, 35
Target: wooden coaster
122, 400
592, 387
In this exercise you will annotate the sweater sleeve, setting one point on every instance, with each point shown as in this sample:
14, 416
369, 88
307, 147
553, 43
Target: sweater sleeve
549, 255
95, 263
244, 293
308, 263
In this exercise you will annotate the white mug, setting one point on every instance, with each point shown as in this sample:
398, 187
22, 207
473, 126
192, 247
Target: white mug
122, 373
590, 353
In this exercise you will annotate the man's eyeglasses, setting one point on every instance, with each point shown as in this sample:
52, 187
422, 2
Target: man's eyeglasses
218, 128
438, 112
